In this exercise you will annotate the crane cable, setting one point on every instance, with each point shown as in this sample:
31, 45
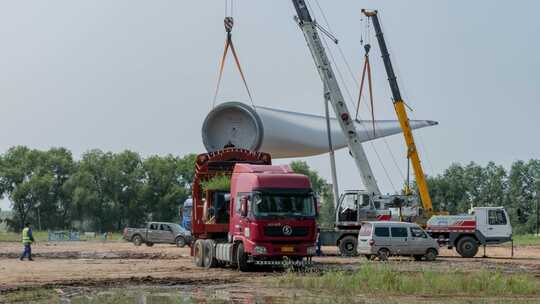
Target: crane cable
349, 68
366, 69
229, 23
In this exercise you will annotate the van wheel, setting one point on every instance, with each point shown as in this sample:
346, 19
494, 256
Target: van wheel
241, 258
431, 255
199, 253
467, 247
137, 240
347, 246
383, 254
209, 259
180, 242
417, 257
149, 244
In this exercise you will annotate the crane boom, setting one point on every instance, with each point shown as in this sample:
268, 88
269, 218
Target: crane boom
332, 94
399, 106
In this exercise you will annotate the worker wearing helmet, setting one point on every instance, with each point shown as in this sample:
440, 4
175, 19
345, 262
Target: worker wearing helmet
27, 240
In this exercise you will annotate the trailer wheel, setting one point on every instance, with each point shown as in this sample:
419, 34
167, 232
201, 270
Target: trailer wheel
431, 254
241, 258
137, 240
199, 253
209, 259
467, 247
347, 246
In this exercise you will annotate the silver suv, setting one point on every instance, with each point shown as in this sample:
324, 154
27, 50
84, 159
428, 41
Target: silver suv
383, 239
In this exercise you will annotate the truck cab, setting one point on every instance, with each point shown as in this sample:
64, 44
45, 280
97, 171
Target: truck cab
268, 216
482, 226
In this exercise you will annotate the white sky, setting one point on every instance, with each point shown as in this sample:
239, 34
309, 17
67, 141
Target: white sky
140, 75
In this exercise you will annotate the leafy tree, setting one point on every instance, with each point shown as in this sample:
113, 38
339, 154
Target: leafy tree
322, 188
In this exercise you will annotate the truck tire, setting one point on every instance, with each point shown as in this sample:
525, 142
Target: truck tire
467, 247
199, 253
209, 259
347, 245
180, 241
241, 258
149, 244
431, 255
137, 240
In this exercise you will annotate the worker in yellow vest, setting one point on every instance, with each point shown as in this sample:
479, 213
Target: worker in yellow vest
27, 240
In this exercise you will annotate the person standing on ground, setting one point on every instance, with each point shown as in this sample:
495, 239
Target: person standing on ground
27, 240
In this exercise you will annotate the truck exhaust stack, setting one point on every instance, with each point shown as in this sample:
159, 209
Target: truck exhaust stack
284, 134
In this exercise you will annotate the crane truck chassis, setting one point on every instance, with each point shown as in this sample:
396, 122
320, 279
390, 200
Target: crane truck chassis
268, 217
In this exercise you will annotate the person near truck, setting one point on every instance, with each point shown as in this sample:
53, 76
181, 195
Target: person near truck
27, 240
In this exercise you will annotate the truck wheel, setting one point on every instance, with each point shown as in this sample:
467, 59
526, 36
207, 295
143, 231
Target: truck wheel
383, 254
467, 247
180, 242
149, 244
137, 240
209, 259
199, 253
431, 255
347, 246
241, 258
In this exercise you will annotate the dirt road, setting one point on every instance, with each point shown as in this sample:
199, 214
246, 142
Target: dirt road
105, 265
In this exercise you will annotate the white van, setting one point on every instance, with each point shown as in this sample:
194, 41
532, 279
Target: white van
383, 239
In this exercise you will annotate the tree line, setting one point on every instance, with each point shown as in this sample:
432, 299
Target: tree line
105, 191
102, 191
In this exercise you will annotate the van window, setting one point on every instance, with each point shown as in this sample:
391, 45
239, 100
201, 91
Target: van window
496, 217
365, 230
417, 232
399, 232
382, 231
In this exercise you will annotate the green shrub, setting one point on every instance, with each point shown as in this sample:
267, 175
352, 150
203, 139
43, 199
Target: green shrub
217, 183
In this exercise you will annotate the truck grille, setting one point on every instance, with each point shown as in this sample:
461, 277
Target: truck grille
278, 231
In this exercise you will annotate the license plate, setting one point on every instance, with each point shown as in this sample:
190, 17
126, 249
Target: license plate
287, 249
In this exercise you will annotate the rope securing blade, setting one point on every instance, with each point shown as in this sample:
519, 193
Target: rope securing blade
366, 70
228, 22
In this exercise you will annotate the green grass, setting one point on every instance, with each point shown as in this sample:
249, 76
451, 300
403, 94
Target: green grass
42, 236
38, 296
217, 183
526, 239
380, 278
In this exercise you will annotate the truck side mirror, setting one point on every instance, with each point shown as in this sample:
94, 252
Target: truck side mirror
244, 207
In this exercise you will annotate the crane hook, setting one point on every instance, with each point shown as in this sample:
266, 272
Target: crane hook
367, 47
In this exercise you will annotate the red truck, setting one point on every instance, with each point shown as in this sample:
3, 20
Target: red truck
267, 217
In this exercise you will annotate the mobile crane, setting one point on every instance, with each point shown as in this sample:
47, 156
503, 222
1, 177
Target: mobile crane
353, 206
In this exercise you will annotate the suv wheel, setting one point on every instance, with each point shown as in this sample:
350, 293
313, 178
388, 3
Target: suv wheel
137, 240
431, 254
180, 241
347, 246
383, 254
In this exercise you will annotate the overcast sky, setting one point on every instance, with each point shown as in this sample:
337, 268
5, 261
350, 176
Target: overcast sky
140, 75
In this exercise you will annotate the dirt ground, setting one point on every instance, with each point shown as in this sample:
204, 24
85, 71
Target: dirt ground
118, 264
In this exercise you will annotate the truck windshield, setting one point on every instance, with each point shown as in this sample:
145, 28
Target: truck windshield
283, 205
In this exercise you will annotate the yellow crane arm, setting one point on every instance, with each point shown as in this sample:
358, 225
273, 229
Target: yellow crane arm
399, 106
